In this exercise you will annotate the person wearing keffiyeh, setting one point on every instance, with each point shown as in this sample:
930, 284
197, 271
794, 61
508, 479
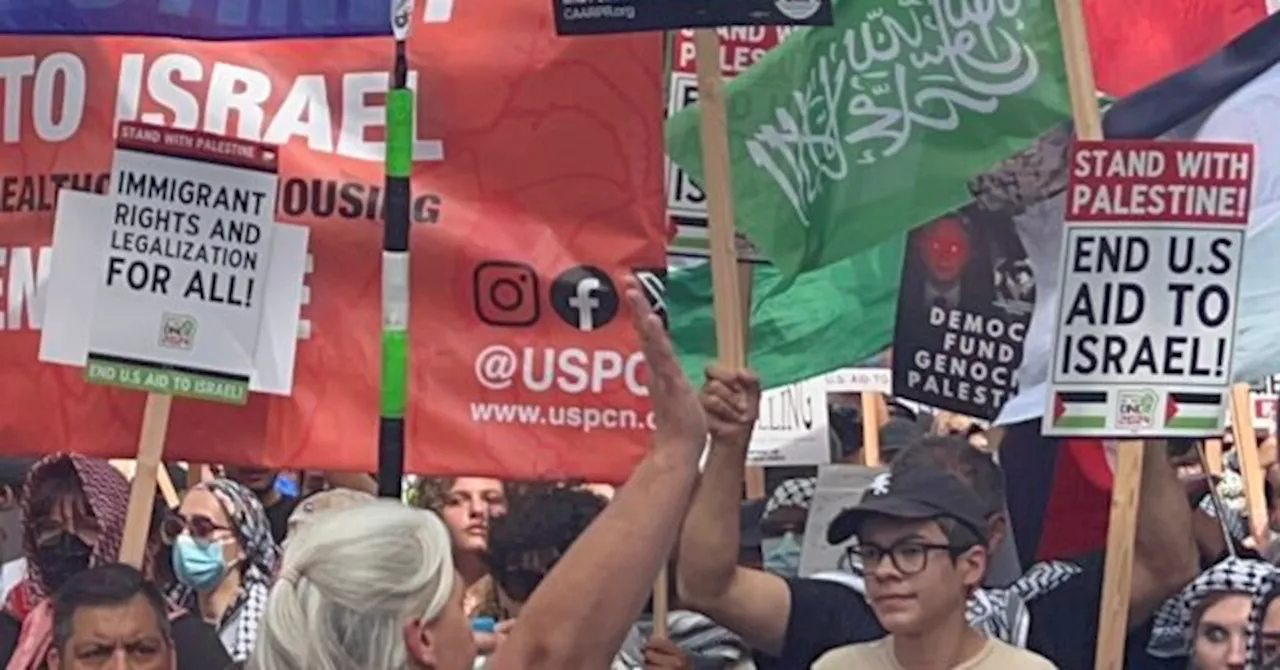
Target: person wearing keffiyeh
224, 557
1208, 621
782, 525
74, 510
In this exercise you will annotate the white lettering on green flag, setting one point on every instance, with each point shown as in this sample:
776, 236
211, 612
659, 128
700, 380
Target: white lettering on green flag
843, 137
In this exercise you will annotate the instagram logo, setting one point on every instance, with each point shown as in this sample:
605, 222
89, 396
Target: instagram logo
506, 293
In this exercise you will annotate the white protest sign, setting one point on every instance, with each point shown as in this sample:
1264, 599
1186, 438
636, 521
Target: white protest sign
1264, 410
1151, 270
839, 488
740, 48
793, 428
79, 243
181, 286
860, 380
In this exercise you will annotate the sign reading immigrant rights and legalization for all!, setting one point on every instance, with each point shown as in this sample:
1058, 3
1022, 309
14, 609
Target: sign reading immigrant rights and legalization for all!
179, 305
1151, 270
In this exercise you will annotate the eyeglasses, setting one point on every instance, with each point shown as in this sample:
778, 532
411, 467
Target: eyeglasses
199, 526
909, 557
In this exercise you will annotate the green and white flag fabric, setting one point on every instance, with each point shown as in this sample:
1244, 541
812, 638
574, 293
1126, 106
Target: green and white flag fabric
847, 136
834, 317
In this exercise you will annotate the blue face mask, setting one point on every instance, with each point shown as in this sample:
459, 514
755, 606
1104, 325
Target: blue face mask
781, 554
200, 566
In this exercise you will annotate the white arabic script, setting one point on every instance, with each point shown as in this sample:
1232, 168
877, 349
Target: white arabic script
877, 85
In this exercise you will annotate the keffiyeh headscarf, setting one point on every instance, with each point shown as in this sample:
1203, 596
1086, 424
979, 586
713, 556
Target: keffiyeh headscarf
106, 493
1262, 599
791, 493
261, 555
1171, 635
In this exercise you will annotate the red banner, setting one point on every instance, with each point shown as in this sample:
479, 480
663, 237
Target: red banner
537, 188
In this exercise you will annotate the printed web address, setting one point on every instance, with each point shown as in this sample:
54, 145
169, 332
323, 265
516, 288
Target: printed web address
585, 419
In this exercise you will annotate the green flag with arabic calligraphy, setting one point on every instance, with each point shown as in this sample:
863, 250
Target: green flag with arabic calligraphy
844, 137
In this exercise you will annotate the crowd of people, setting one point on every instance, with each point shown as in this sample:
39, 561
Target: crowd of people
258, 569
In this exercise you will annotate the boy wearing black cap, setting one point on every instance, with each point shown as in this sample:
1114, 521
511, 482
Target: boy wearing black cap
922, 540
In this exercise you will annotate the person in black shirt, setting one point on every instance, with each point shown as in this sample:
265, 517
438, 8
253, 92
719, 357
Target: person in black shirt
792, 622
262, 481
75, 509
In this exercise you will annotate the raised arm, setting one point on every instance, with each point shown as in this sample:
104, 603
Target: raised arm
580, 614
753, 604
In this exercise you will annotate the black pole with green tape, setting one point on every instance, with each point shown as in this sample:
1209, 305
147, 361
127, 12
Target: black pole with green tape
395, 260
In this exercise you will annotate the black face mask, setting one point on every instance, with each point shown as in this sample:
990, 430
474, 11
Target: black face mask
62, 558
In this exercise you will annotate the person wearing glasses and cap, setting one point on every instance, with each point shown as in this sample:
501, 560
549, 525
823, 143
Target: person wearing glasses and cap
922, 541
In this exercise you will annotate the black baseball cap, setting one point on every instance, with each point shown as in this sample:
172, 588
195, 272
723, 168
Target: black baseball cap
915, 493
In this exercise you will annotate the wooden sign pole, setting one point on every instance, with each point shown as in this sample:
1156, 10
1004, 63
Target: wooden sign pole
155, 424
871, 404
1212, 462
727, 295
1113, 615
1250, 463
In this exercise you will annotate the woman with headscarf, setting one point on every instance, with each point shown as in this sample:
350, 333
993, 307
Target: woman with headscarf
224, 557
1208, 622
74, 510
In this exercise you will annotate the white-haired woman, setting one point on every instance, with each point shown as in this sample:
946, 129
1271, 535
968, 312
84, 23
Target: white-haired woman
374, 587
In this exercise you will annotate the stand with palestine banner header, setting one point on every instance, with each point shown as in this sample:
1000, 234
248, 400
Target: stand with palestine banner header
178, 282
1145, 329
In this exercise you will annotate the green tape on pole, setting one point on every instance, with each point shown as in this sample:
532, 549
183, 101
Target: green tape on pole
395, 373
399, 132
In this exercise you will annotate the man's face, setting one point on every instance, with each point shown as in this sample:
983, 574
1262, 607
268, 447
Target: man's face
925, 584
258, 480
115, 637
945, 249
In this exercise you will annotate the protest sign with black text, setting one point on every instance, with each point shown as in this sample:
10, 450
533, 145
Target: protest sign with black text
1151, 270
180, 294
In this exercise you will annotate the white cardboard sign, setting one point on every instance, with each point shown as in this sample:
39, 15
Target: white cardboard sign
183, 278
793, 428
860, 380
839, 487
70, 305
1151, 270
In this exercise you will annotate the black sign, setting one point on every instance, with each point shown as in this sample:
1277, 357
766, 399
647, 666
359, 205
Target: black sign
963, 313
594, 17
585, 297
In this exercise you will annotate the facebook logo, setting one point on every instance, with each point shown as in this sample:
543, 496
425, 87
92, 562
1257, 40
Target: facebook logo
585, 298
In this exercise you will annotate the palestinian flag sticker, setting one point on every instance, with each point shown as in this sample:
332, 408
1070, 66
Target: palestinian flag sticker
1080, 409
1194, 411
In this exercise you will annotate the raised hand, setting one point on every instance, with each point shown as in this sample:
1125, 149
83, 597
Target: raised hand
680, 420
731, 399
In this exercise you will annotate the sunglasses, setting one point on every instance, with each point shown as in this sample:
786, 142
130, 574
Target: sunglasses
198, 526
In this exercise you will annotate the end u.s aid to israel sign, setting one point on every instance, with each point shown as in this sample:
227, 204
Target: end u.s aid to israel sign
1150, 273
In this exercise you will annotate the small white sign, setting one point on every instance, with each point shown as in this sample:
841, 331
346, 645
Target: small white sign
70, 306
1151, 269
860, 380
183, 279
793, 428
839, 488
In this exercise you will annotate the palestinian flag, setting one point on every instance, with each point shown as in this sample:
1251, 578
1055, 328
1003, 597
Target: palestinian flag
1194, 411
1080, 409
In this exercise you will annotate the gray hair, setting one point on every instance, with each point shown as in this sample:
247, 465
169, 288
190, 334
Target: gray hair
348, 582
